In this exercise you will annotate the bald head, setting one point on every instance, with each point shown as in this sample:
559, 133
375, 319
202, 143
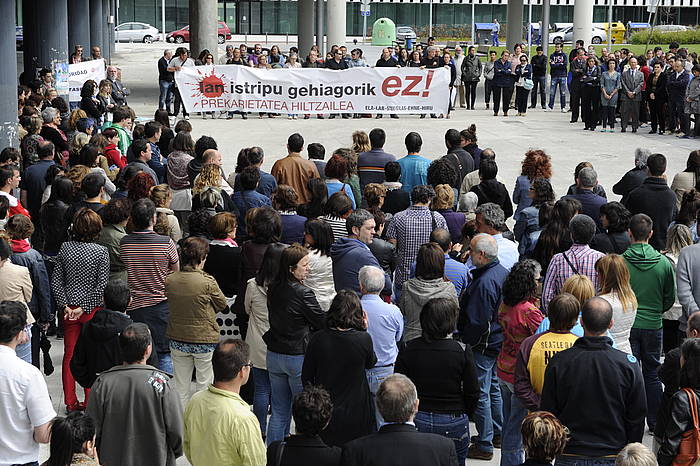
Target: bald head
442, 238
484, 250
596, 316
211, 156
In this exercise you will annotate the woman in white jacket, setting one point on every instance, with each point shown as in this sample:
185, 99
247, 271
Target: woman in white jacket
318, 237
614, 279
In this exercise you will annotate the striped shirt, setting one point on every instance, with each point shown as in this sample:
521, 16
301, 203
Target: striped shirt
337, 225
148, 258
578, 259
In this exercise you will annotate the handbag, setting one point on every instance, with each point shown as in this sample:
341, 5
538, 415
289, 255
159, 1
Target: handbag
528, 84
689, 448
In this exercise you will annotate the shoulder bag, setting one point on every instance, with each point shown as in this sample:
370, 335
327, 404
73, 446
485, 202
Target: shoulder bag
689, 448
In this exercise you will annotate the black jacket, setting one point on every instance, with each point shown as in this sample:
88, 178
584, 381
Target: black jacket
654, 198
496, 192
98, 348
670, 375
679, 422
303, 450
194, 167
539, 65
163, 73
598, 393
391, 62
293, 311
660, 94
400, 445
611, 242
224, 264
396, 200
53, 225
629, 182
462, 162
334, 65
385, 252
94, 110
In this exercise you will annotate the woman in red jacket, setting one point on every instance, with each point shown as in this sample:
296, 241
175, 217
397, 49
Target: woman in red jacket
112, 152
9, 182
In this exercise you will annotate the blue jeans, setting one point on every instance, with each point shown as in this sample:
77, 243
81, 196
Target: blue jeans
561, 83
285, 383
541, 88
261, 397
573, 460
646, 347
375, 376
165, 99
512, 453
156, 317
455, 427
494, 39
24, 351
488, 416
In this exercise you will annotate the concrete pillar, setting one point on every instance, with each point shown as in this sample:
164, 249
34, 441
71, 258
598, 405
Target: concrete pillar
335, 21
514, 17
320, 26
583, 21
545, 27
53, 31
30, 44
305, 26
108, 25
203, 27
97, 25
79, 25
8, 76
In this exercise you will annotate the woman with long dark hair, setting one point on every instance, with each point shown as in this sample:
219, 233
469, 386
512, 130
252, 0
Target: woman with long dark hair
72, 441
688, 178
336, 359
318, 238
444, 374
556, 237
259, 323
293, 312
319, 196
519, 316
52, 215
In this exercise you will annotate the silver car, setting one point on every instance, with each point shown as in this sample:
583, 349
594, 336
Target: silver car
598, 36
405, 32
136, 32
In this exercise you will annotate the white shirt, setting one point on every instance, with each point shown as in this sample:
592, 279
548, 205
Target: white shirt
24, 405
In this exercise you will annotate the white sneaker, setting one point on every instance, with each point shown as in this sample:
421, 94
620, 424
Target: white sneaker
187, 117
563, 110
289, 117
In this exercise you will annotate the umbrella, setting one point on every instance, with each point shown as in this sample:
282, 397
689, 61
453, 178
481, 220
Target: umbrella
45, 346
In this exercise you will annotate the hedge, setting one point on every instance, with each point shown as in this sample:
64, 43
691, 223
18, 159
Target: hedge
658, 37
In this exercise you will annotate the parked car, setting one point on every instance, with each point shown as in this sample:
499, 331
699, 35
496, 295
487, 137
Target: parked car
136, 32
183, 34
405, 32
671, 28
598, 36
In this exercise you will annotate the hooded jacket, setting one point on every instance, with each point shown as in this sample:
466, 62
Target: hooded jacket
471, 68
653, 282
496, 192
416, 292
349, 256
97, 349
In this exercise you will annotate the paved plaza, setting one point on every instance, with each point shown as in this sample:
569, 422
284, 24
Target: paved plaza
567, 144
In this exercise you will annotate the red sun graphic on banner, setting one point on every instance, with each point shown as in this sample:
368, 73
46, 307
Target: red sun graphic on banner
208, 86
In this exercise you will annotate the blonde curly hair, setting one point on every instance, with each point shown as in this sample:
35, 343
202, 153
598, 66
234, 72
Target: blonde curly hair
444, 197
209, 177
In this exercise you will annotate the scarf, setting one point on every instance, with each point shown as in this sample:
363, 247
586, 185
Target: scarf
20, 245
177, 170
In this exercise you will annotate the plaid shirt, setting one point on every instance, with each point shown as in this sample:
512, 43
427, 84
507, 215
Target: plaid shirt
582, 257
411, 228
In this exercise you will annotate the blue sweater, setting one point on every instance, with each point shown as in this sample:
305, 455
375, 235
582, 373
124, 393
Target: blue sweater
349, 256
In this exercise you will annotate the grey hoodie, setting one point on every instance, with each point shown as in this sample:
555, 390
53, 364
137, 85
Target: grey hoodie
416, 292
688, 282
471, 68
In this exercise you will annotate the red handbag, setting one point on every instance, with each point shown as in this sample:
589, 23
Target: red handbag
689, 448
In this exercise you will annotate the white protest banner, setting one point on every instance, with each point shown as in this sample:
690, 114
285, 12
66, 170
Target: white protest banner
314, 91
78, 73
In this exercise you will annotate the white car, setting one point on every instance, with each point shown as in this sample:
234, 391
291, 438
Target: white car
405, 32
136, 32
598, 36
671, 28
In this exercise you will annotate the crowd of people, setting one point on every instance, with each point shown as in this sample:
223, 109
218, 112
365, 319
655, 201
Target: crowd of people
660, 88
382, 303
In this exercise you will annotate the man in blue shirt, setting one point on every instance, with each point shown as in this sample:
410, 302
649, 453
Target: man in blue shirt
489, 220
558, 70
267, 183
248, 197
455, 271
414, 168
384, 324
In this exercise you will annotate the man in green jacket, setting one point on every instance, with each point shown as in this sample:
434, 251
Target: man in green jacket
653, 282
121, 121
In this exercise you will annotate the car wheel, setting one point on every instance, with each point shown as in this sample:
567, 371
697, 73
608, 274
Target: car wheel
179, 39
597, 40
148, 39
221, 40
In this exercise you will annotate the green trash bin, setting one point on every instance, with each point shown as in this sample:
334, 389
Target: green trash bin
383, 32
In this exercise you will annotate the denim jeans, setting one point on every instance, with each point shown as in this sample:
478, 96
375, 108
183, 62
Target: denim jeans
24, 351
541, 87
285, 383
488, 416
165, 99
561, 83
375, 376
512, 453
455, 427
646, 347
261, 397
573, 460
156, 317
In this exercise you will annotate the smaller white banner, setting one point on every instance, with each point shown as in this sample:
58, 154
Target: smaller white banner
78, 73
